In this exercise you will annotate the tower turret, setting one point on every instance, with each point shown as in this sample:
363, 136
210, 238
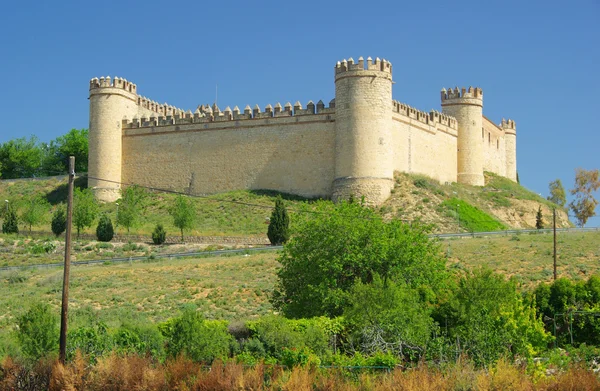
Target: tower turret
467, 107
363, 122
110, 102
510, 138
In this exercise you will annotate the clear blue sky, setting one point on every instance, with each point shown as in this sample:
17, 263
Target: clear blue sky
537, 61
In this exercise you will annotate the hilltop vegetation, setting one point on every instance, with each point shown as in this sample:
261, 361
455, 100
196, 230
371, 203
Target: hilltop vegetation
501, 204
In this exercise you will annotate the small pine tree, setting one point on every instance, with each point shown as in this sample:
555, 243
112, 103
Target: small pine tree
539, 219
104, 230
59, 221
11, 221
159, 235
279, 224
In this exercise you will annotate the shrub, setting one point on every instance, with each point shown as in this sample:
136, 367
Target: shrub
279, 224
159, 235
199, 339
38, 331
11, 221
104, 230
59, 221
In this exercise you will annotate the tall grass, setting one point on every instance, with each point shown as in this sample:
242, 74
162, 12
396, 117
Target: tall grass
130, 372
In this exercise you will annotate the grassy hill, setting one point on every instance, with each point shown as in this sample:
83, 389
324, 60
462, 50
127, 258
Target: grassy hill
452, 207
238, 287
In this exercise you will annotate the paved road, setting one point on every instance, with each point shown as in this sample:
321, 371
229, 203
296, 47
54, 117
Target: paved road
275, 248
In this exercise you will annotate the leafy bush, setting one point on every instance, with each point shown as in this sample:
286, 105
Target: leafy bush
59, 221
105, 230
11, 221
199, 339
388, 317
42, 248
38, 331
490, 319
92, 341
159, 235
270, 335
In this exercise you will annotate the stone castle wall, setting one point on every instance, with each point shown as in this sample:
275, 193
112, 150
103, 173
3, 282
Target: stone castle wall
290, 154
351, 147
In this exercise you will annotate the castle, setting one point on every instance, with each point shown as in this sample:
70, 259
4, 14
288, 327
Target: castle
352, 146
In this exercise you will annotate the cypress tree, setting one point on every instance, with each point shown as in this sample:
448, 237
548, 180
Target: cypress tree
279, 224
539, 219
59, 221
11, 221
104, 230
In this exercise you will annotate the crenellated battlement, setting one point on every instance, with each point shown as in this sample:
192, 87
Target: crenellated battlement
206, 114
431, 118
508, 124
159, 108
117, 82
472, 93
349, 147
370, 65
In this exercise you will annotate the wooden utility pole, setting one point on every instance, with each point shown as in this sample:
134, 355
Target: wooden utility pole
554, 225
65, 294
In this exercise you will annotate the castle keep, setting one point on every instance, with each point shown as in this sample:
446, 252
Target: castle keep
352, 146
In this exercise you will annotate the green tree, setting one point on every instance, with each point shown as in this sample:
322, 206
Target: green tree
38, 331
74, 143
85, 209
159, 235
34, 211
20, 158
584, 205
279, 225
131, 206
557, 193
388, 317
489, 318
334, 246
59, 221
104, 230
10, 225
539, 219
183, 213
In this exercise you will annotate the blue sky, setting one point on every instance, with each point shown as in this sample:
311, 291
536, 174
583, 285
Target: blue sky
537, 62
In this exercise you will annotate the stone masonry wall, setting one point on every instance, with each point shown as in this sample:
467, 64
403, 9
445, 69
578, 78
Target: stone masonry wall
289, 154
494, 153
422, 145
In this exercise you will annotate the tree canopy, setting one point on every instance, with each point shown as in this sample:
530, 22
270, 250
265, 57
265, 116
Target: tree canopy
557, 193
335, 246
584, 205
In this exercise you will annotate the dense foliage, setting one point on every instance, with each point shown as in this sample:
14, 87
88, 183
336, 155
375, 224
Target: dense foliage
105, 230
159, 235
38, 331
10, 225
336, 246
279, 224
59, 221
28, 157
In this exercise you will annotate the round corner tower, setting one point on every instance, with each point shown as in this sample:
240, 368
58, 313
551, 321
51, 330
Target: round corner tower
467, 107
110, 103
363, 122
510, 139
